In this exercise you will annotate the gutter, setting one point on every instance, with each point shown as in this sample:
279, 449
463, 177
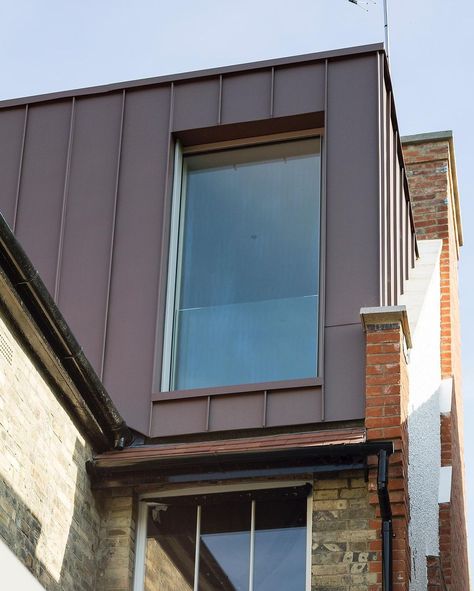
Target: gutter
216, 460
68, 366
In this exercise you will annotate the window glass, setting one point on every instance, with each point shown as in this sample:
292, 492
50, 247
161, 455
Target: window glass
280, 543
247, 284
170, 548
249, 541
224, 548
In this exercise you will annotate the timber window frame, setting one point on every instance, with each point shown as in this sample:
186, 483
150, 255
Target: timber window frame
164, 379
220, 493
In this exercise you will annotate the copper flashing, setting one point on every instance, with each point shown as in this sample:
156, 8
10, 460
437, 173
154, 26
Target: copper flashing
166, 79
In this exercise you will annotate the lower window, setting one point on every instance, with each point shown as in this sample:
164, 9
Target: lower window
246, 541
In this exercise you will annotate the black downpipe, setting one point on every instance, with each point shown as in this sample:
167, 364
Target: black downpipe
386, 514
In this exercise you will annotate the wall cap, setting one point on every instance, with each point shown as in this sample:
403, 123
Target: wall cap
419, 138
387, 315
442, 136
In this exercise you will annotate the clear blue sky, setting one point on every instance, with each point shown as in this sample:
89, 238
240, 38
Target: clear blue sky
59, 44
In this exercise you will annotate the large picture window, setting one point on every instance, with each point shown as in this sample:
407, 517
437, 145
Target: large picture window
243, 300
249, 541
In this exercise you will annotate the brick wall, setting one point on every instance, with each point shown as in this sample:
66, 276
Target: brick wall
436, 581
116, 556
345, 552
431, 177
386, 418
48, 515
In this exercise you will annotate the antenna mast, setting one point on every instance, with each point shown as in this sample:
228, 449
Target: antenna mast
385, 26
360, 4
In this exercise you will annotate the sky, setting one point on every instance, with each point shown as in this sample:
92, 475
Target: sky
61, 44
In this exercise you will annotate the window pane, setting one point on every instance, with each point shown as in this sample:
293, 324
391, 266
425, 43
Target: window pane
280, 545
224, 551
170, 548
248, 273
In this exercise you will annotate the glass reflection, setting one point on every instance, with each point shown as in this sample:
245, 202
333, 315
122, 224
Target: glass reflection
226, 530
170, 548
280, 545
225, 547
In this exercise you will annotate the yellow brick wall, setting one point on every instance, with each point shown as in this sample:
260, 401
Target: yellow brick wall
49, 517
344, 530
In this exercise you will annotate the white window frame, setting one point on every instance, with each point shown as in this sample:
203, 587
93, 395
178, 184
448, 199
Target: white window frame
176, 207
140, 540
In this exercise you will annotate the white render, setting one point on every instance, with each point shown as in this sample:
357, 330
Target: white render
15, 575
422, 299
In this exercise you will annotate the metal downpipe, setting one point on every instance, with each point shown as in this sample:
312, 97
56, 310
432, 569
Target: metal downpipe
386, 514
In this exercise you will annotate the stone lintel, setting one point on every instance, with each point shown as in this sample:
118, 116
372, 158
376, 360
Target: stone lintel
380, 315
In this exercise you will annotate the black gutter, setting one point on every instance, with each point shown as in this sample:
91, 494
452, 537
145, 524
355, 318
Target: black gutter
386, 515
94, 404
229, 461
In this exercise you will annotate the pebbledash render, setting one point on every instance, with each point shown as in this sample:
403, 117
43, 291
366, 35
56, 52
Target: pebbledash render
229, 337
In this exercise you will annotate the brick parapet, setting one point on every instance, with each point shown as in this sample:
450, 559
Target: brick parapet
386, 418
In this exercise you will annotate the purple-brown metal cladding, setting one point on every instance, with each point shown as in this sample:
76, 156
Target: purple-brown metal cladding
86, 177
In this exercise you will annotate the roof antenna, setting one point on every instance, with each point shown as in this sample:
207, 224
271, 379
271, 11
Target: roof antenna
362, 4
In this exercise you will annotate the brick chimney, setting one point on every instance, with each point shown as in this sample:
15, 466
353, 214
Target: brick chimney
431, 172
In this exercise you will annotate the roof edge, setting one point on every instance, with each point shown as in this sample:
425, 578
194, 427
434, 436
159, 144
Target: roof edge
32, 309
184, 76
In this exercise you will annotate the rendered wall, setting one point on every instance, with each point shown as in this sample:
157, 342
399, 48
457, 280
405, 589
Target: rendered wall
424, 370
